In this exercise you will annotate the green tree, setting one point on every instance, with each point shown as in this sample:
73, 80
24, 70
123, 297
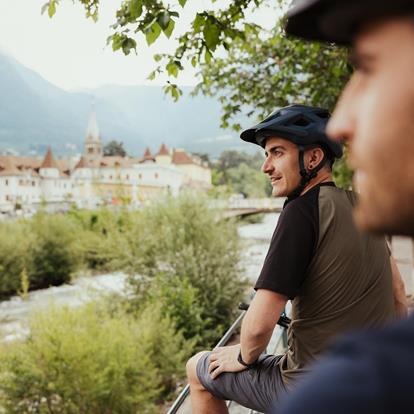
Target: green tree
114, 148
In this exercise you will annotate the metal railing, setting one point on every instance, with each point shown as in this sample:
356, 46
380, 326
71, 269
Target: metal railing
283, 322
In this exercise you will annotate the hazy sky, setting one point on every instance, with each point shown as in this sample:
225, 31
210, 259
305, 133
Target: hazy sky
70, 51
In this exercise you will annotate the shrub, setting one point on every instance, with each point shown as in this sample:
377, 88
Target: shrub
14, 245
91, 362
100, 235
179, 242
53, 255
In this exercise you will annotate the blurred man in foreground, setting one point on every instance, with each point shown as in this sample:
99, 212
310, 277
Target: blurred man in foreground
370, 371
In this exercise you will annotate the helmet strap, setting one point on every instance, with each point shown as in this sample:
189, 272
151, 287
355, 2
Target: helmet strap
305, 175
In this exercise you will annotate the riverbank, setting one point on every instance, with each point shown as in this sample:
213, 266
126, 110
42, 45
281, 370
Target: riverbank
14, 313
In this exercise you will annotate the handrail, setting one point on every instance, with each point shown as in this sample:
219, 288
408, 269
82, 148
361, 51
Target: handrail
283, 321
223, 341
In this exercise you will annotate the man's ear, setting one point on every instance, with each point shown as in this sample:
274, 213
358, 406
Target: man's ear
315, 157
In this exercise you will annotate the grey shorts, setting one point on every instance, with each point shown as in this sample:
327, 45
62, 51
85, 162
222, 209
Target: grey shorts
255, 388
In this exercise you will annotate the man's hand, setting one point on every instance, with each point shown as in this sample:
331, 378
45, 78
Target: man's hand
224, 359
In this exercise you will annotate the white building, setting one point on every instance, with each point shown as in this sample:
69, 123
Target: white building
97, 179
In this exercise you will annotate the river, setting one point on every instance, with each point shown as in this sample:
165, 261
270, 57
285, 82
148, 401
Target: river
14, 313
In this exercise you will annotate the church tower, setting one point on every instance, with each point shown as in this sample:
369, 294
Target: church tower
93, 144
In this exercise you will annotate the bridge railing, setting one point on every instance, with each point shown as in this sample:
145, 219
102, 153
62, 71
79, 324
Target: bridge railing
248, 203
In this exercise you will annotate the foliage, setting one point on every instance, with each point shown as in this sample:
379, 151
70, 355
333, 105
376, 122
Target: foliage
260, 75
176, 250
114, 148
231, 159
239, 172
249, 181
342, 174
88, 360
14, 244
24, 285
252, 65
52, 255
98, 244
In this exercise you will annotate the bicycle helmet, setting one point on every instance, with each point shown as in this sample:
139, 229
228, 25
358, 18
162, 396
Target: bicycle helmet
302, 125
339, 20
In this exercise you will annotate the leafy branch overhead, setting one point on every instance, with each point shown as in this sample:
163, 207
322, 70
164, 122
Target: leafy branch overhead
254, 70
250, 70
149, 18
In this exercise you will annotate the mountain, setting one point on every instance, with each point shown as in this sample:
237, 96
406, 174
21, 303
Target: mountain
35, 113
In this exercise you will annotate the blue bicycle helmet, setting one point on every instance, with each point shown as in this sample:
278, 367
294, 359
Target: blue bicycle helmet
304, 126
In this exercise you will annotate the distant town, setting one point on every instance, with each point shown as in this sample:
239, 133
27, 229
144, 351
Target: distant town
94, 179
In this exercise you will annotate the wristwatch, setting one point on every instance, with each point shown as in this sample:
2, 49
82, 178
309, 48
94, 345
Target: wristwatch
240, 359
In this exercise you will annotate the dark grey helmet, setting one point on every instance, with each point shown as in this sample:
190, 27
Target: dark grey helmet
339, 20
300, 124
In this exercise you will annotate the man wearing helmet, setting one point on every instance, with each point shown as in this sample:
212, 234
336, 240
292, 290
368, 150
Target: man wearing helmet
370, 372
336, 277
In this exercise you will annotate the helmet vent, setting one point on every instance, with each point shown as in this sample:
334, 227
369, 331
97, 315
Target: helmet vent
302, 121
323, 115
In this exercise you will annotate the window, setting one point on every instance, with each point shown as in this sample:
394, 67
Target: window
90, 150
21, 182
7, 182
156, 175
33, 183
127, 177
140, 176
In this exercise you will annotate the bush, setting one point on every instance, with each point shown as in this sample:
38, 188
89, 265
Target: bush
90, 361
53, 255
181, 252
99, 239
14, 245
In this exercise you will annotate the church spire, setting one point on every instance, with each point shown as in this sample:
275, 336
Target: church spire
93, 145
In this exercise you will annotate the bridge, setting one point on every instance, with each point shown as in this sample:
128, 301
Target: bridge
248, 206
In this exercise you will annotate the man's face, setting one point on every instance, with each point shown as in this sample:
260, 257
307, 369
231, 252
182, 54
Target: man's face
375, 114
282, 166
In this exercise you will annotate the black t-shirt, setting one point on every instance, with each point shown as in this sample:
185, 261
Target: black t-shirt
293, 245
371, 372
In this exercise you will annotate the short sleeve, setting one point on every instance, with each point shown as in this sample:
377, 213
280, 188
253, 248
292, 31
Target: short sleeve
292, 247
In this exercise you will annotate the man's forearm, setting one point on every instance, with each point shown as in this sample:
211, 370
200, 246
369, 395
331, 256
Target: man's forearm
259, 322
252, 345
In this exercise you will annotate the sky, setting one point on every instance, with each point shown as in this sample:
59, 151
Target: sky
70, 51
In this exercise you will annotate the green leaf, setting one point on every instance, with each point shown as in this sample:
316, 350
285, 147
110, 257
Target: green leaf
194, 61
198, 22
172, 69
208, 56
182, 2
211, 34
128, 44
152, 33
157, 57
168, 31
135, 8
117, 40
52, 8
163, 19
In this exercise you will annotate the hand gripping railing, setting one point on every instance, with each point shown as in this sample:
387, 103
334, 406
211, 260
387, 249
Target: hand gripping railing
283, 321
